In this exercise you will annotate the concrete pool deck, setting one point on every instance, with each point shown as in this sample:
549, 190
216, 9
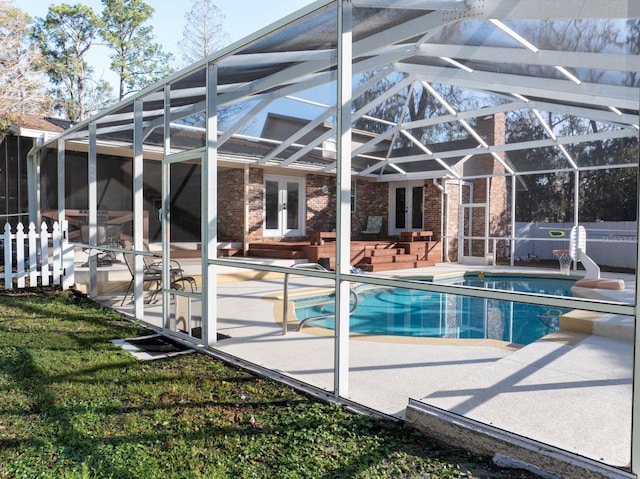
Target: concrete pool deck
570, 390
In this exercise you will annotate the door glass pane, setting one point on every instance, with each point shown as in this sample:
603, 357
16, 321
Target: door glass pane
416, 208
401, 205
293, 198
185, 184
271, 205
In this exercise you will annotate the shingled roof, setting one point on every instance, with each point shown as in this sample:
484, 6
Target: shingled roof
30, 121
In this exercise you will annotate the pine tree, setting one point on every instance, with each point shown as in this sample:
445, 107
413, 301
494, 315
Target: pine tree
203, 33
138, 59
65, 36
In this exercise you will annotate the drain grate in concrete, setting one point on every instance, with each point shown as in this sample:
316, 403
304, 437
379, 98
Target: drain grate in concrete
153, 346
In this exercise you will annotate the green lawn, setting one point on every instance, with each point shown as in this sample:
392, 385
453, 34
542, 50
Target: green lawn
73, 405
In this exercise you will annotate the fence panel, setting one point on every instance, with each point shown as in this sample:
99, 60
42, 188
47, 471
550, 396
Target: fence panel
609, 243
26, 256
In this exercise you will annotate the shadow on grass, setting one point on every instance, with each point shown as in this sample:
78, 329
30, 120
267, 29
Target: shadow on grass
89, 406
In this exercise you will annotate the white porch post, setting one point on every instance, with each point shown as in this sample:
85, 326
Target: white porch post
93, 210
68, 252
245, 229
343, 200
487, 219
460, 222
576, 206
138, 213
165, 210
210, 213
62, 197
635, 397
512, 248
33, 184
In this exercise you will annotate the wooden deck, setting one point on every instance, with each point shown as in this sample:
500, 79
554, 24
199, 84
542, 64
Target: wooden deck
376, 255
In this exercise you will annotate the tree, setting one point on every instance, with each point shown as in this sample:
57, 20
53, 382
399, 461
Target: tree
203, 33
22, 87
65, 36
137, 59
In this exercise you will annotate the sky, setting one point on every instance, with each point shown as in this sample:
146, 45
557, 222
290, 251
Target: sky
242, 18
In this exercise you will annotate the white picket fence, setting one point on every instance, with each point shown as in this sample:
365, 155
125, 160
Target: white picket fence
37, 258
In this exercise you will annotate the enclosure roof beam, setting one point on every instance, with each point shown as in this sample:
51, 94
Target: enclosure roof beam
523, 145
563, 90
429, 5
540, 9
522, 56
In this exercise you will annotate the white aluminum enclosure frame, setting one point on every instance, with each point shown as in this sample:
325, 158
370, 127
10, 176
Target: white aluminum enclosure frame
280, 63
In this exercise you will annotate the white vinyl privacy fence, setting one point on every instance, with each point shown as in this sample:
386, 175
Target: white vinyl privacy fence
36, 257
609, 243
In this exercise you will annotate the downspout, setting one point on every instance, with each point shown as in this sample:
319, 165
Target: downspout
444, 217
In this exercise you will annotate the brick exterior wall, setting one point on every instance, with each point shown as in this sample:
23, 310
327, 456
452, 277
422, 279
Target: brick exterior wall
433, 211
493, 129
453, 222
321, 207
231, 205
256, 204
372, 199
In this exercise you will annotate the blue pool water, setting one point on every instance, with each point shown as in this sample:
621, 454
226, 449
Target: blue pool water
404, 312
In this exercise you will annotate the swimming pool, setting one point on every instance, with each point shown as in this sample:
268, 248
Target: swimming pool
405, 312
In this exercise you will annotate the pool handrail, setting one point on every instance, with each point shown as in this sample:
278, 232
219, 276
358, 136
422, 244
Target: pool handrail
285, 308
329, 315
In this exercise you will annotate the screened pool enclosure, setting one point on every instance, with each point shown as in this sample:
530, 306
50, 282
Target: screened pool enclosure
467, 118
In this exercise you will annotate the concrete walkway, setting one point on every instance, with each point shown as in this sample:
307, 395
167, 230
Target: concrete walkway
569, 390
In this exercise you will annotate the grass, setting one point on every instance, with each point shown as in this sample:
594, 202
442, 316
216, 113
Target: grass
75, 406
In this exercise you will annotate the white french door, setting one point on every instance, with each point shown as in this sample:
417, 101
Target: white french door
406, 203
284, 202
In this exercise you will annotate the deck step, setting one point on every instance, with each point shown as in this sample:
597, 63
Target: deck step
276, 253
396, 258
386, 252
229, 252
388, 266
284, 246
372, 256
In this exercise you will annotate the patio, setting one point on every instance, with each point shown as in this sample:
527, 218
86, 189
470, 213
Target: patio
556, 390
